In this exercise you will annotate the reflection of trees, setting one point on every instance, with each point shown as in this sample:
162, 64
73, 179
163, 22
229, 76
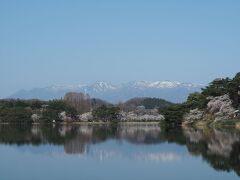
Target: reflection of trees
35, 135
11, 134
76, 138
95, 134
139, 134
78, 144
220, 148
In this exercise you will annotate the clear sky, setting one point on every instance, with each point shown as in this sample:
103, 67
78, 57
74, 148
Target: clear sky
45, 42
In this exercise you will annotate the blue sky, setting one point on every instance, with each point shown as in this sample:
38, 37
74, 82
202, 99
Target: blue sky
69, 42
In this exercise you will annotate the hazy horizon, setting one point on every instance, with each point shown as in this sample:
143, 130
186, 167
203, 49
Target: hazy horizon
27, 88
47, 43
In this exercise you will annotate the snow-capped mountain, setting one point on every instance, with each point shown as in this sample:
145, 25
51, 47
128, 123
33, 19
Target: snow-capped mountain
156, 84
101, 86
169, 90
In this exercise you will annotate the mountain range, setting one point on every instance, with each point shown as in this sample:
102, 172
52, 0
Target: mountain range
169, 90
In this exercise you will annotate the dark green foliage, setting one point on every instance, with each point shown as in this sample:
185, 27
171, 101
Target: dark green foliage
225, 86
151, 103
196, 100
17, 111
148, 103
54, 108
14, 115
95, 103
218, 87
106, 113
234, 90
36, 104
20, 111
59, 105
174, 114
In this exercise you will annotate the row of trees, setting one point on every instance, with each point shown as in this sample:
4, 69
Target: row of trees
218, 87
148, 103
20, 111
102, 110
106, 113
54, 108
78, 103
73, 104
225, 86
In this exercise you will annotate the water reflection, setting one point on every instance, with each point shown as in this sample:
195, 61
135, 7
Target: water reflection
219, 148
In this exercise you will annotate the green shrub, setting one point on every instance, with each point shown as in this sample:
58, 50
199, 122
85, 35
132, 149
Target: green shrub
174, 114
54, 108
106, 113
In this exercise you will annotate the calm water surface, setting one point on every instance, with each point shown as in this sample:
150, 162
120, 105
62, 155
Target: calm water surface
106, 152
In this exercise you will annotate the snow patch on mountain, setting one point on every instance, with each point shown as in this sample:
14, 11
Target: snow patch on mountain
170, 90
102, 86
161, 84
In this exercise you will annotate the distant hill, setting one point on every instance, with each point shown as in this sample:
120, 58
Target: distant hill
169, 90
148, 103
99, 102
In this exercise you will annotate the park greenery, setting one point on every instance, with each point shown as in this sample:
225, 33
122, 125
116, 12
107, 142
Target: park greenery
106, 113
69, 108
221, 86
75, 104
20, 111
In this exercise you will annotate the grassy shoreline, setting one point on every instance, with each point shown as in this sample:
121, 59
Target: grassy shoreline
231, 123
89, 123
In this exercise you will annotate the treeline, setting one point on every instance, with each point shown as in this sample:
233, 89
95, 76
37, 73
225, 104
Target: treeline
112, 112
21, 111
218, 87
73, 105
148, 103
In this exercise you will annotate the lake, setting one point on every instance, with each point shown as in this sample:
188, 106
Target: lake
107, 152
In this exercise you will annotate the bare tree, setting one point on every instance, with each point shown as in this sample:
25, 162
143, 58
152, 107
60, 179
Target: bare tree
81, 102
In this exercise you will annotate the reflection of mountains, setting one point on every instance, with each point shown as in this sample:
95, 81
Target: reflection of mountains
220, 148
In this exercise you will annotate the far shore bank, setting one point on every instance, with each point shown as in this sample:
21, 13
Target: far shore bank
90, 123
211, 124
198, 125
